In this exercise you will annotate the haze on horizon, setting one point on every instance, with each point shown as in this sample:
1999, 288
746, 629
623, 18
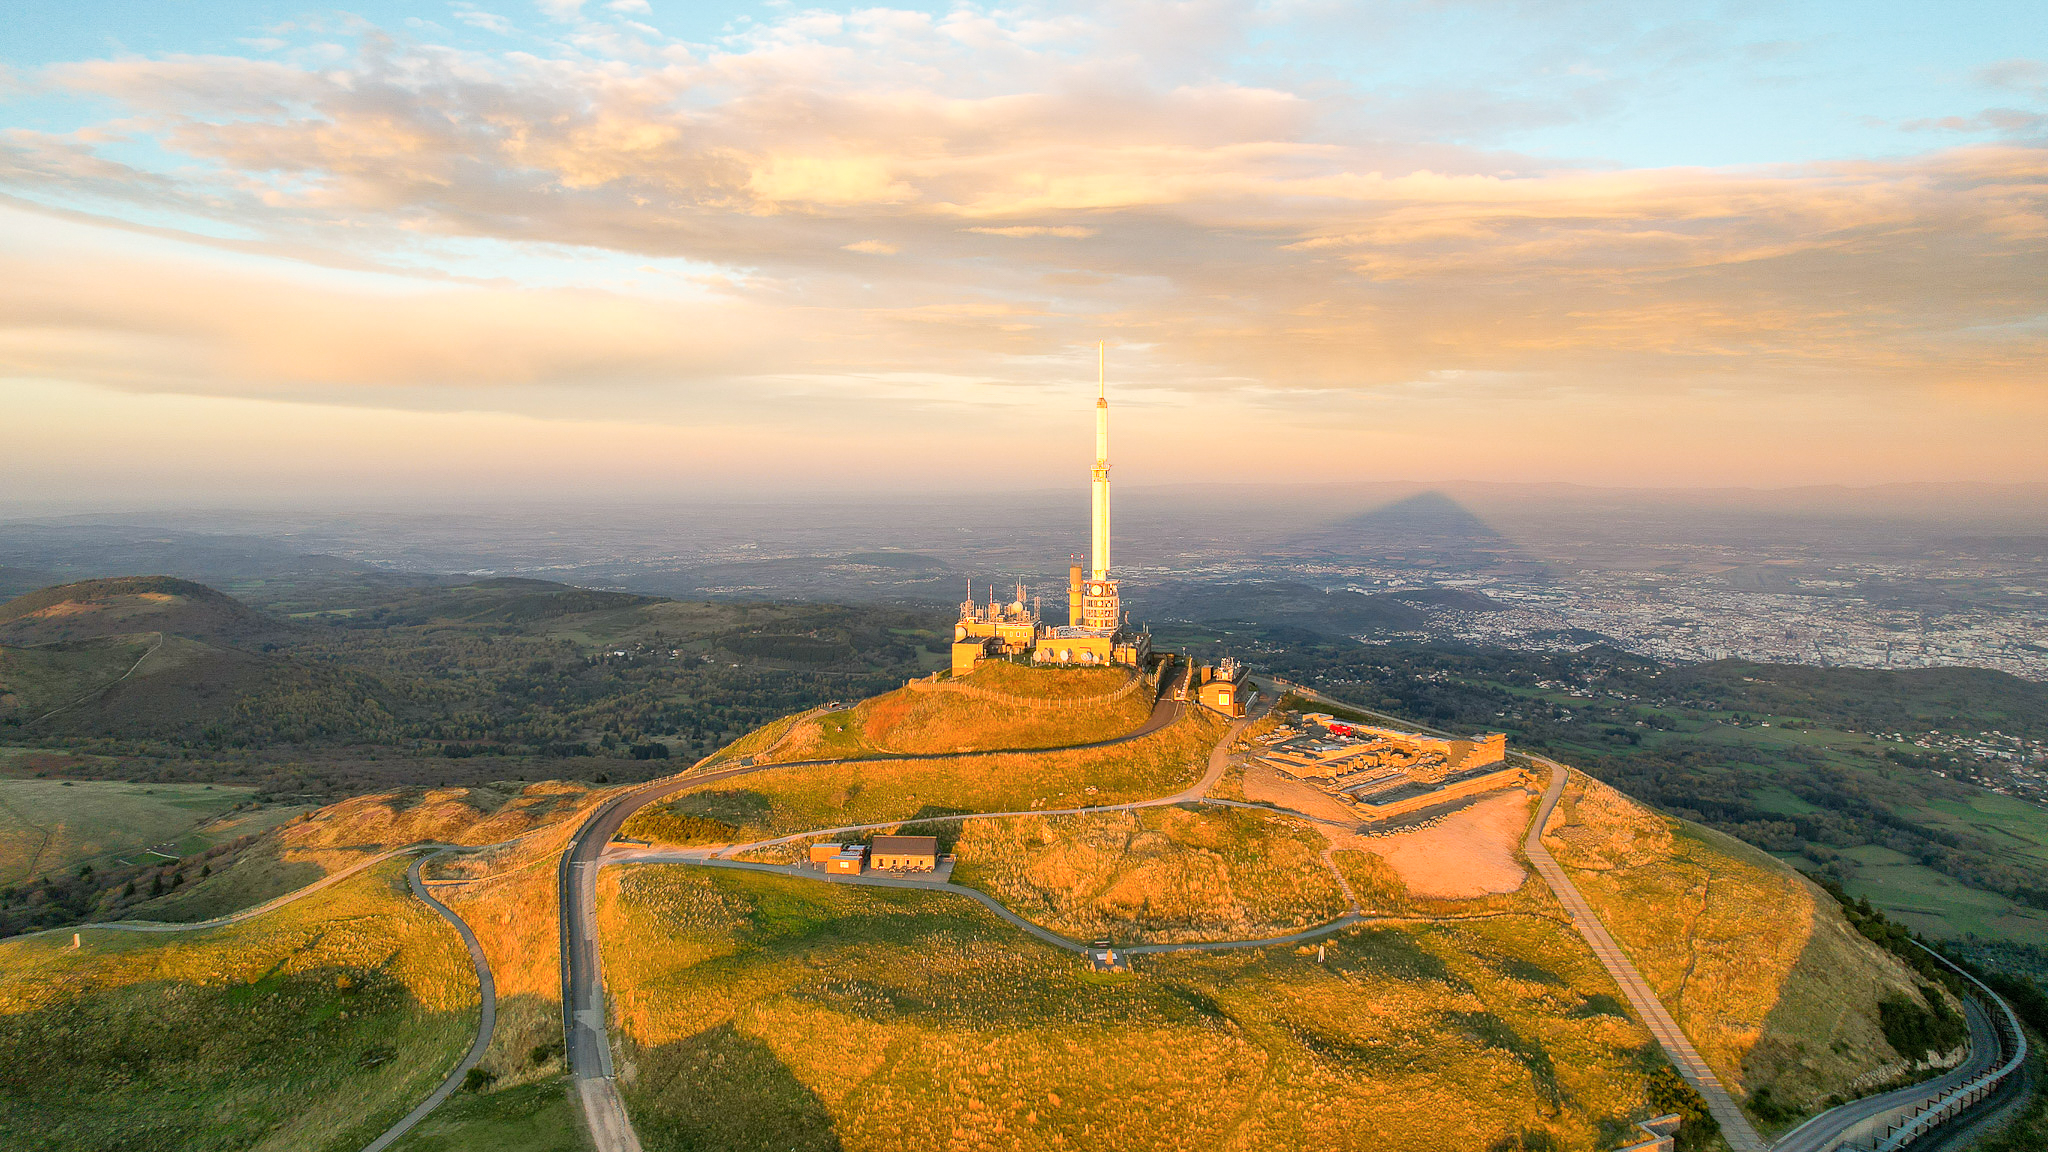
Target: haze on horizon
255, 250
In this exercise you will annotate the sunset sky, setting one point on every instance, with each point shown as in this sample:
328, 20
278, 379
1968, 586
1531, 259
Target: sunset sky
256, 251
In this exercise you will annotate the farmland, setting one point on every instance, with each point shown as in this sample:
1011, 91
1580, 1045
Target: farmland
55, 826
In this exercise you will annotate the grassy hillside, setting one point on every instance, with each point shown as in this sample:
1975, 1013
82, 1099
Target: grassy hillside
778, 802
243, 858
1160, 875
35, 680
508, 896
998, 705
1773, 986
542, 1117
130, 604
310, 1028
926, 721
342, 835
759, 1012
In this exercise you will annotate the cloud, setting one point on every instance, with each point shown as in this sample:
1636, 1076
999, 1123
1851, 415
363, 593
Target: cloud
1024, 231
1246, 241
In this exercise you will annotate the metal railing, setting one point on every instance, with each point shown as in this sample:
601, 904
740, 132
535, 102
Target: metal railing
1923, 1117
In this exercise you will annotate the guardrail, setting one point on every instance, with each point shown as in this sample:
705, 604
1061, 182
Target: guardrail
1910, 1122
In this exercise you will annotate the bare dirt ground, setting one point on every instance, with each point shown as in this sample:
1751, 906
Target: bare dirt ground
1465, 854
1263, 785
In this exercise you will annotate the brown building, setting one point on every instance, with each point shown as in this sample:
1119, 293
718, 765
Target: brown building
906, 853
848, 862
1226, 689
823, 852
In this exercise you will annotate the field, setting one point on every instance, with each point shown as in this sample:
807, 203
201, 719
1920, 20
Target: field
785, 801
758, 1012
1772, 985
54, 826
1927, 901
312, 1027
1157, 875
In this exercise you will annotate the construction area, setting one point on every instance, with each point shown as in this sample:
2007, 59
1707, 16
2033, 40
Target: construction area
1378, 774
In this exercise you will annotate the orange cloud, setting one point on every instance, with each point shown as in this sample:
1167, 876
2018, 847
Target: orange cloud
1255, 255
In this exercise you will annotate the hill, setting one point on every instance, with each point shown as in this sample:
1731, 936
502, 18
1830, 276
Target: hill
999, 705
309, 1028
1465, 1007
126, 605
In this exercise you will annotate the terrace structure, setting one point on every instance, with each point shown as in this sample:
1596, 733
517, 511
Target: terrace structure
1381, 773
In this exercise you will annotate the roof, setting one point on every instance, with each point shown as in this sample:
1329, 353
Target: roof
905, 846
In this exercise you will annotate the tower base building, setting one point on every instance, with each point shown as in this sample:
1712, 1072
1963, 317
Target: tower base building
1096, 632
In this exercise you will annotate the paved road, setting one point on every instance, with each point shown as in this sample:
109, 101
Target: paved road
1735, 1127
487, 1020
1976, 1124
1817, 1134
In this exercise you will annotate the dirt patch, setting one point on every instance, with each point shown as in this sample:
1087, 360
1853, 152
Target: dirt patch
1463, 855
1264, 785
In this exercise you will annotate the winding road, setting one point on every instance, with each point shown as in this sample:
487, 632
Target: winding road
1820, 1133
487, 1022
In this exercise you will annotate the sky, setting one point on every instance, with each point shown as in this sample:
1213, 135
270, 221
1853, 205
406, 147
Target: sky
261, 252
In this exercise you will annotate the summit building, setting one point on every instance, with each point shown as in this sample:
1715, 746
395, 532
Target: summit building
1097, 630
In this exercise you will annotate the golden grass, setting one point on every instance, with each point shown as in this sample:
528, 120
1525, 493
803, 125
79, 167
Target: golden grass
511, 901
312, 1027
1156, 875
874, 791
764, 1011
1759, 967
936, 719
345, 834
755, 742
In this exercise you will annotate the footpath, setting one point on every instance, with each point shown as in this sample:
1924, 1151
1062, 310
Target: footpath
1735, 1127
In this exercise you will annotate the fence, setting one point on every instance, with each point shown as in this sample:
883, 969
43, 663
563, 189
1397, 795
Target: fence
1895, 1128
